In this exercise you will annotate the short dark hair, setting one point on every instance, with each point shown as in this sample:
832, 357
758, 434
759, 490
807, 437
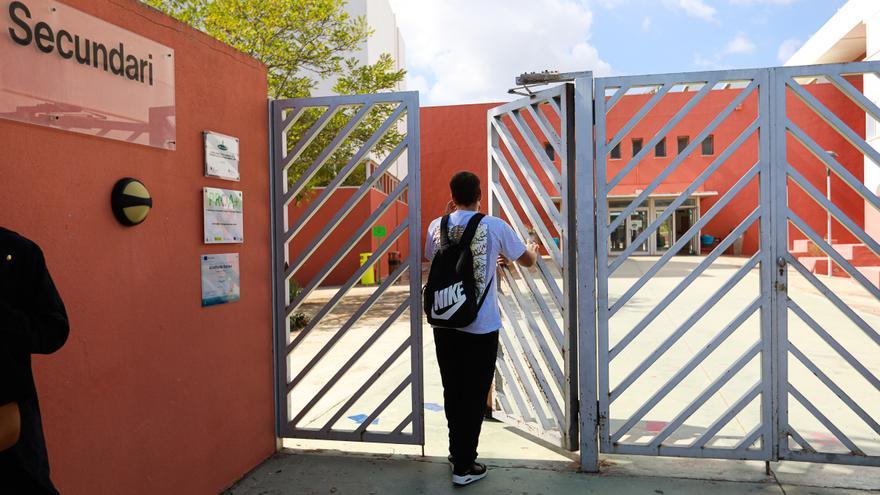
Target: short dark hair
465, 187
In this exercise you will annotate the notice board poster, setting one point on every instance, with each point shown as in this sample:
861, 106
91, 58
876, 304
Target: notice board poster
221, 156
221, 281
224, 217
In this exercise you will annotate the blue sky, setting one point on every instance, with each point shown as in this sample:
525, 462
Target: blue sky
467, 51
741, 34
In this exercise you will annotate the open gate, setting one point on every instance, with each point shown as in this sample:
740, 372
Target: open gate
635, 333
531, 162
345, 174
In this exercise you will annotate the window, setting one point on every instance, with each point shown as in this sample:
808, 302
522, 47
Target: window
551, 153
615, 152
637, 145
708, 145
660, 148
683, 142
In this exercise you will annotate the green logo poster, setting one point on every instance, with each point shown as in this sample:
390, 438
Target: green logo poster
224, 216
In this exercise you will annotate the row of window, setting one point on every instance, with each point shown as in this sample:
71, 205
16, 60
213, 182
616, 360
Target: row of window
707, 146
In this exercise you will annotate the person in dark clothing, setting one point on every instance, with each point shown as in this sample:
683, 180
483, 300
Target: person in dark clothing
10, 394
32, 321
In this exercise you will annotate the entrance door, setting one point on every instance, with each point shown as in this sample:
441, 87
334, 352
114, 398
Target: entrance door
665, 235
636, 223
618, 239
348, 347
683, 220
536, 379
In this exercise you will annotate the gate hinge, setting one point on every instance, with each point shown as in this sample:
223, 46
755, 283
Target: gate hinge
779, 286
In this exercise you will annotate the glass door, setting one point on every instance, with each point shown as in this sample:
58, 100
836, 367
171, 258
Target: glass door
635, 225
618, 241
664, 234
684, 220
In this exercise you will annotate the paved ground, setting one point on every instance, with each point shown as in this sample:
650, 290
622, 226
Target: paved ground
348, 473
525, 465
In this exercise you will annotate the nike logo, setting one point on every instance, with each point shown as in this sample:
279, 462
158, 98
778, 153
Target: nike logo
452, 297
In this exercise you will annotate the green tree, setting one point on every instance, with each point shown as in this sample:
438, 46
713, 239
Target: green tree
301, 41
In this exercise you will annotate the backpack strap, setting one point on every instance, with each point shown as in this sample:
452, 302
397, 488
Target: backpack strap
485, 292
444, 232
471, 230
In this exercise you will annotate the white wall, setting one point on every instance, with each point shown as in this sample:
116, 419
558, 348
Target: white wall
385, 39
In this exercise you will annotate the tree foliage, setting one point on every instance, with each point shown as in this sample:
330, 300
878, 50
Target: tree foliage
301, 42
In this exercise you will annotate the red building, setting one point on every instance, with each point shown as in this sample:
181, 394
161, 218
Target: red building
454, 138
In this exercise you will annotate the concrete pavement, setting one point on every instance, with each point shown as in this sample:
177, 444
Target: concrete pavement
530, 465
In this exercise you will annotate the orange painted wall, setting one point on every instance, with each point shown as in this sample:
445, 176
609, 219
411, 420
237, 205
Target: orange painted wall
332, 243
151, 393
454, 138
329, 247
741, 161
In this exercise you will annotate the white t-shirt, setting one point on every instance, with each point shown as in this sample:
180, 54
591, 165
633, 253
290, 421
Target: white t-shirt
493, 237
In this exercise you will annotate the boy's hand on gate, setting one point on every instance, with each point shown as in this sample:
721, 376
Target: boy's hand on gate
532, 246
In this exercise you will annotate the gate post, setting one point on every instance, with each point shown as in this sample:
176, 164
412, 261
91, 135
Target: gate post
584, 217
778, 202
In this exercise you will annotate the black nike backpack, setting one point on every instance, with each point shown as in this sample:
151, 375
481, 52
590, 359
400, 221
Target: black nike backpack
450, 296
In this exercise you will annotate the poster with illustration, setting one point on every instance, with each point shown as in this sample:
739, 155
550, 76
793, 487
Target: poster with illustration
224, 217
221, 281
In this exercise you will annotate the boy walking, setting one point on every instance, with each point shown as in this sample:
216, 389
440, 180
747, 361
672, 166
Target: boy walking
461, 303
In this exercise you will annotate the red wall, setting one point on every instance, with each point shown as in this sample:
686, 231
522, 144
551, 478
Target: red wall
454, 138
151, 393
328, 248
740, 162
332, 243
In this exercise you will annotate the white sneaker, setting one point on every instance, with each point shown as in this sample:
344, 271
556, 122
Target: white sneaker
475, 473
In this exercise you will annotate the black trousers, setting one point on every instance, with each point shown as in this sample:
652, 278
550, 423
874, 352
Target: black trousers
467, 365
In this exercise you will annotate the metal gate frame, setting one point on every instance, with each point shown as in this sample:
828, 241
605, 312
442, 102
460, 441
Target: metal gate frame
773, 171
784, 82
522, 386
609, 441
283, 114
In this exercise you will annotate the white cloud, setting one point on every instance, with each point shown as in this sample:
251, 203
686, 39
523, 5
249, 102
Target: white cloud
462, 51
693, 8
787, 49
704, 63
646, 24
740, 44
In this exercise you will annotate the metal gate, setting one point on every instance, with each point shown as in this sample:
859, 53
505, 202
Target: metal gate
828, 374
531, 163
345, 182
734, 357
648, 354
